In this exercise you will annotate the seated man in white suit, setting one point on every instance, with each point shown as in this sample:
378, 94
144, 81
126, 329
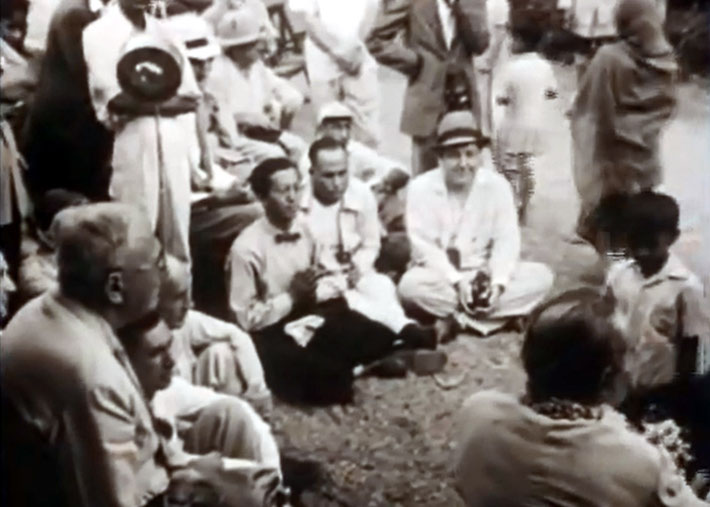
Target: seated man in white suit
463, 227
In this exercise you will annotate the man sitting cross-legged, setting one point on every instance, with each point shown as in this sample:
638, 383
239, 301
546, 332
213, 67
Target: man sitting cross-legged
208, 351
341, 213
310, 351
463, 227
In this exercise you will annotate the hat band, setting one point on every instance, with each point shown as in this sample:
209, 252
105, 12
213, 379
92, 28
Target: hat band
196, 43
460, 132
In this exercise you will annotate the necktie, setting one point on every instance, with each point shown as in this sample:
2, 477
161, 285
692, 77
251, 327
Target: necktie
288, 237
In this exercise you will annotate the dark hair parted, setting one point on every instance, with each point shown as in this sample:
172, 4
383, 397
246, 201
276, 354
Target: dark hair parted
260, 179
571, 350
323, 144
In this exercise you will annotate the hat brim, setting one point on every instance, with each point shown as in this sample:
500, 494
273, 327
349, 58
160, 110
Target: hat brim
481, 142
204, 52
239, 41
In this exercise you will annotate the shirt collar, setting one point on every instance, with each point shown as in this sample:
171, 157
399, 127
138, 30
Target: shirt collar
273, 231
351, 200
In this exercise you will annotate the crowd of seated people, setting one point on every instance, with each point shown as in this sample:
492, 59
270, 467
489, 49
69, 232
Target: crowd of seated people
171, 269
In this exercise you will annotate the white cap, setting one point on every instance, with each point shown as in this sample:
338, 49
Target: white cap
334, 110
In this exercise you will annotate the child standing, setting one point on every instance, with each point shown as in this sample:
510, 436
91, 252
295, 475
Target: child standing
658, 302
521, 90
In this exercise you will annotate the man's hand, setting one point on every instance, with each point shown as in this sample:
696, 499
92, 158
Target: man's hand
303, 286
494, 294
463, 287
350, 60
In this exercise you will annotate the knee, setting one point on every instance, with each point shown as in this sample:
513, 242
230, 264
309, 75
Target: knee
542, 276
409, 286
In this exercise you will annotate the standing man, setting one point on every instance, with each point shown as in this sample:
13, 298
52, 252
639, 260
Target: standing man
463, 227
65, 146
155, 145
435, 53
340, 68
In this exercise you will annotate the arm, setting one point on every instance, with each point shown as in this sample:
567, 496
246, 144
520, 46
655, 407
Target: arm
421, 229
101, 435
385, 40
251, 311
505, 250
369, 229
101, 76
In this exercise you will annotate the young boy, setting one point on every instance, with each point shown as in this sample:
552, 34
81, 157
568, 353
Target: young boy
658, 302
522, 89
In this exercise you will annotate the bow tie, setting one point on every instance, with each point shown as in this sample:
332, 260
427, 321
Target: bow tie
288, 237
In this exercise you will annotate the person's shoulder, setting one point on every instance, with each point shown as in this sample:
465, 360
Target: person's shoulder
425, 180
249, 239
490, 405
360, 195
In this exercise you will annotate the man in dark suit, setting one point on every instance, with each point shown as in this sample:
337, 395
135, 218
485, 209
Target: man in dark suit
432, 42
65, 146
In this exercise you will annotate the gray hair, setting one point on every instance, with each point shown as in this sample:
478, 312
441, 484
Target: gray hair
91, 243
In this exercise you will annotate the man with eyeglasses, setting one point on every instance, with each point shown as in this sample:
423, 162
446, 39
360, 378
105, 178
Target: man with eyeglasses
462, 224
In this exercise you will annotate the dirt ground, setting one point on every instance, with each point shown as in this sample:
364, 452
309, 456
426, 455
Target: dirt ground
393, 447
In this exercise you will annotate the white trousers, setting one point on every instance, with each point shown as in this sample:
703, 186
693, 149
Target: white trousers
427, 289
136, 178
375, 296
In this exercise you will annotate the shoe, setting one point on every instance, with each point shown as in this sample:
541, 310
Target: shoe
418, 337
427, 362
389, 367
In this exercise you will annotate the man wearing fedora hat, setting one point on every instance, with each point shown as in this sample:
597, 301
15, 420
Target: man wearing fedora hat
463, 227
253, 101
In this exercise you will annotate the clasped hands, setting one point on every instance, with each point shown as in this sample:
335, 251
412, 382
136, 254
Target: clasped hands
477, 295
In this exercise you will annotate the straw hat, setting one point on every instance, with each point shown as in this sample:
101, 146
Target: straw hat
238, 28
196, 33
457, 128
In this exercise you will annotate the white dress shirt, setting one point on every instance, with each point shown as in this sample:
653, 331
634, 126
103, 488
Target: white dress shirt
487, 232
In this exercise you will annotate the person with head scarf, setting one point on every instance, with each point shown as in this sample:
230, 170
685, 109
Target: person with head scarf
625, 98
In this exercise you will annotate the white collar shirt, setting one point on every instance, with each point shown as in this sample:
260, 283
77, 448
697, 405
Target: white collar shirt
652, 312
487, 234
448, 21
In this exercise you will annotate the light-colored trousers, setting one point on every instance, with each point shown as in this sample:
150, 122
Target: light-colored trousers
427, 289
375, 296
137, 153
360, 94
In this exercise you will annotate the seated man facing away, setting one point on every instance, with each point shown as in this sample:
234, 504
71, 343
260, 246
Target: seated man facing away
563, 443
463, 227
310, 352
207, 351
341, 214
387, 178
253, 101
216, 437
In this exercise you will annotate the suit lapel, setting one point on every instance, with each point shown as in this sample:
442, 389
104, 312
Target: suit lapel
427, 12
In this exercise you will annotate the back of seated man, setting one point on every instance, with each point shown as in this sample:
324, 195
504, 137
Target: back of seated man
256, 106
310, 352
463, 227
215, 436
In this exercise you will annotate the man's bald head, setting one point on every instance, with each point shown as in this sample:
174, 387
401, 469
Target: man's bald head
108, 257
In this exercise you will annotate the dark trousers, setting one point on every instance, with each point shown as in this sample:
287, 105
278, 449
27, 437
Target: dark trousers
322, 372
